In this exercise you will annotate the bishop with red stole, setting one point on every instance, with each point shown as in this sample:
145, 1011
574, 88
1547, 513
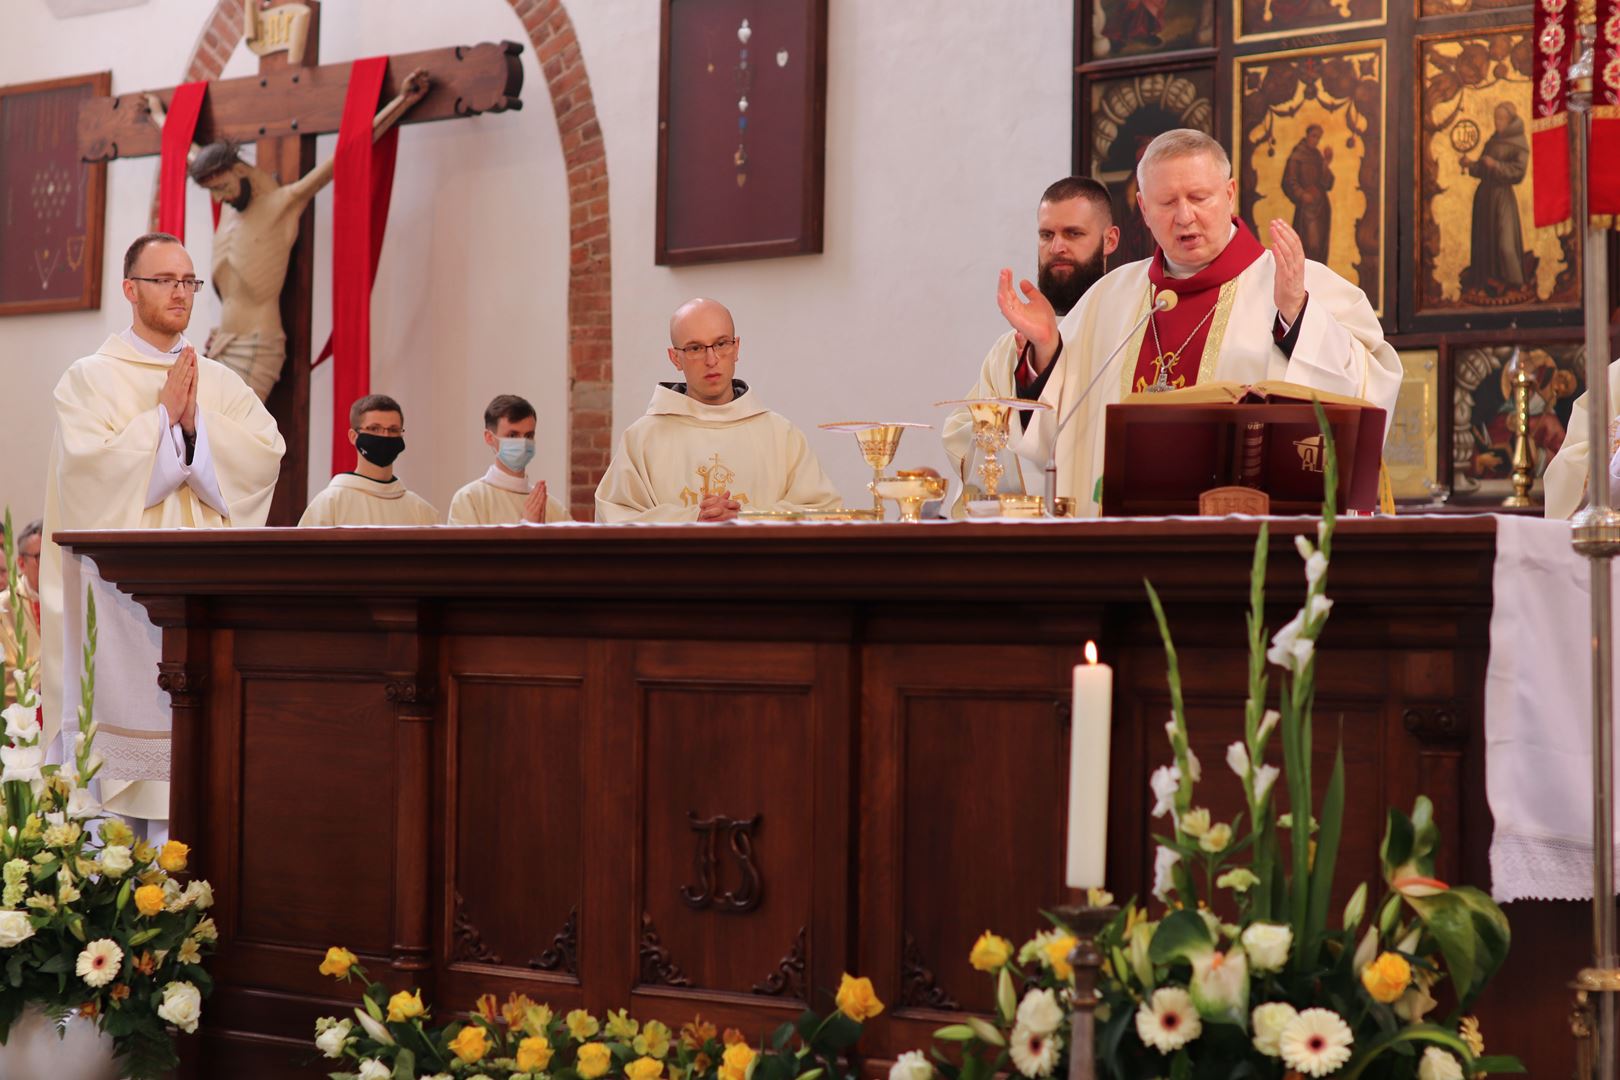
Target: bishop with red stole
1243, 314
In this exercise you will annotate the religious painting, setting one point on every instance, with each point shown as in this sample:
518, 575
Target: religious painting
741, 129
1139, 27
1459, 7
1412, 448
1484, 424
1126, 112
1309, 142
51, 203
1478, 247
1260, 20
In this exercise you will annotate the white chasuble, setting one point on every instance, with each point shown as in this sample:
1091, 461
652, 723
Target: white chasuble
352, 499
682, 450
498, 498
1340, 348
114, 465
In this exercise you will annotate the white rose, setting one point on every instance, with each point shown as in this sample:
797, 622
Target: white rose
182, 1006
372, 1069
332, 1039
198, 894
1267, 945
14, 928
115, 860
1438, 1065
1039, 1012
1269, 1020
911, 1065
21, 723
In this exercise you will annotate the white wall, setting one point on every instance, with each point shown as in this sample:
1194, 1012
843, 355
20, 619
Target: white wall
945, 121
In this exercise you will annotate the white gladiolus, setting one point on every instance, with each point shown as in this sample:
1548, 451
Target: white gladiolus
1237, 759
21, 763
1164, 863
1303, 546
21, 723
1264, 777
1268, 722
1281, 652
1165, 782
1320, 606
1315, 567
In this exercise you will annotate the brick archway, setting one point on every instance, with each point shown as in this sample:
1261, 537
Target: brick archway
590, 271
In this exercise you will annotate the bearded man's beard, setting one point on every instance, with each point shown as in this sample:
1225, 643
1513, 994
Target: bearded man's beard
1065, 290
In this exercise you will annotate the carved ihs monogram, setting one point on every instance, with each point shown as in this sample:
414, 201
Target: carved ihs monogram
747, 891
714, 477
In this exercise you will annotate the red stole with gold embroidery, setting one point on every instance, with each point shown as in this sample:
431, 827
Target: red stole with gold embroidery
1184, 330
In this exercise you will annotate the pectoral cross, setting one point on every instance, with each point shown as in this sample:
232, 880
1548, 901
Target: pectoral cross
282, 109
1163, 365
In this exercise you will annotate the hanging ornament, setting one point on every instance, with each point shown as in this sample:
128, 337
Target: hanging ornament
744, 33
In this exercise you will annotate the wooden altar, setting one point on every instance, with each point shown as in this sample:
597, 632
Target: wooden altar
706, 769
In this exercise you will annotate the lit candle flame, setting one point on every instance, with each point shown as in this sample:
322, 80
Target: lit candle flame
1091, 652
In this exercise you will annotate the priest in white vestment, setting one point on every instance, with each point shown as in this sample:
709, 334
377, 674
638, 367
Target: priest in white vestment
1245, 314
1075, 234
1566, 478
149, 435
504, 495
371, 494
707, 448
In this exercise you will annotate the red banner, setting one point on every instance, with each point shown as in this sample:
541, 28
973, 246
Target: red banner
363, 183
179, 129
1605, 149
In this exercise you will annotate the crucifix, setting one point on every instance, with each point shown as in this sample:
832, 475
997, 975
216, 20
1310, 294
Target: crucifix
281, 110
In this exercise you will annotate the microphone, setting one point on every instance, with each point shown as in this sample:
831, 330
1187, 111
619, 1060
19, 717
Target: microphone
1164, 301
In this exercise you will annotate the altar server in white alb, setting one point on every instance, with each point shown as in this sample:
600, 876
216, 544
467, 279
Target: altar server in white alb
707, 447
1075, 233
1245, 314
371, 494
504, 495
149, 435
1566, 477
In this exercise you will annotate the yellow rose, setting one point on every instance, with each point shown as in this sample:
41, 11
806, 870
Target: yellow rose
338, 962
653, 1040
856, 998
471, 1044
1057, 955
149, 899
403, 1006
594, 1060
620, 1026
533, 1054
644, 1068
739, 1055
582, 1025
990, 952
173, 856
1387, 977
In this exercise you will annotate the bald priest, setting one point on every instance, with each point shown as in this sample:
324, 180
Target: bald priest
1245, 314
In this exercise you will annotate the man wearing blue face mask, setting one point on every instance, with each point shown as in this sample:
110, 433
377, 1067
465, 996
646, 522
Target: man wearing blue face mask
503, 495
371, 494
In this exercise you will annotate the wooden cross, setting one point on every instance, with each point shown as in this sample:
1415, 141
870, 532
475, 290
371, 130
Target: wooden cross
282, 110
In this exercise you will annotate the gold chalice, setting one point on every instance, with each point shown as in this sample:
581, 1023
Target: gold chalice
910, 489
991, 432
878, 441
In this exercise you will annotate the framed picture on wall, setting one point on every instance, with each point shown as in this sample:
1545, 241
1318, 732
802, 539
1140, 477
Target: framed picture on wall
741, 129
52, 205
1483, 423
1260, 20
1412, 448
1121, 28
1124, 113
1478, 250
1309, 141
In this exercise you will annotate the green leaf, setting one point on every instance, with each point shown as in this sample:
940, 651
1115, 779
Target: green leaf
1498, 1063
1414, 1034
1327, 856
954, 1033
986, 1032
782, 1035
1180, 936
405, 1066
839, 1033
1181, 1066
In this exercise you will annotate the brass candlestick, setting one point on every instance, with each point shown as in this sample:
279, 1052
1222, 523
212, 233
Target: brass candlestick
1523, 460
879, 441
1086, 959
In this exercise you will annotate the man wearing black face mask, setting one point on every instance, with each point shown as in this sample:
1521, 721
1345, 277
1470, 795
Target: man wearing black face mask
1076, 234
371, 494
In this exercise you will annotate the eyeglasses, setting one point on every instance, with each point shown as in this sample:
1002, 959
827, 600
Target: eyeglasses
190, 284
724, 349
376, 429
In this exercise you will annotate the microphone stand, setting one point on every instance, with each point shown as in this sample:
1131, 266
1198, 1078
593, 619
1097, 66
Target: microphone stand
1163, 302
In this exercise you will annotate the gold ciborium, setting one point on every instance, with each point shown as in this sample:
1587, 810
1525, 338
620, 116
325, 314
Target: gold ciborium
910, 488
878, 441
992, 419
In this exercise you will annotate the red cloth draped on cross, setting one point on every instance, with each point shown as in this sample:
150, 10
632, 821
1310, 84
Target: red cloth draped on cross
1555, 41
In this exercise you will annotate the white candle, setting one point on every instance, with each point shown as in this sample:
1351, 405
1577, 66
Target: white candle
1088, 771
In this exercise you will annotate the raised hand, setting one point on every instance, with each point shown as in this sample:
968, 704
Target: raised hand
1034, 317
534, 507
721, 507
1289, 252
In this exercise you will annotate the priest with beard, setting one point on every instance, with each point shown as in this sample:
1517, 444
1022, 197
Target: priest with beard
1245, 314
1075, 232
